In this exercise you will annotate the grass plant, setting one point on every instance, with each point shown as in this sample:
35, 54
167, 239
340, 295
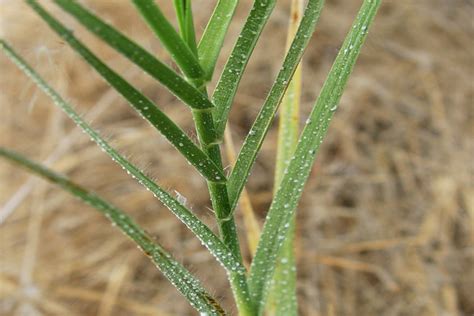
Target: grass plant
273, 258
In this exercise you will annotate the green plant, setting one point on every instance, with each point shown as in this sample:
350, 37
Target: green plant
197, 63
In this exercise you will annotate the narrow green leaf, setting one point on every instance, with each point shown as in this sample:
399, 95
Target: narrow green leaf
135, 53
178, 48
144, 106
186, 23
257, 133
283, 299
181, 278
227, 86
213, 38
207, 237
288, 194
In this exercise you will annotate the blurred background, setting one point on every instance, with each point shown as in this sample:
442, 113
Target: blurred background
386, 224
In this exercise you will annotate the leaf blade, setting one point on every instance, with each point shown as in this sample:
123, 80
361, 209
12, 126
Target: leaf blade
179, 276
226, 88
144, 106
254, 139
289, 193
212, 39
135, 53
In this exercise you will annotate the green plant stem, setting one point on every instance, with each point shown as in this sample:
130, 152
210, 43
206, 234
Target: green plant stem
205, 128
218, 191
220, 202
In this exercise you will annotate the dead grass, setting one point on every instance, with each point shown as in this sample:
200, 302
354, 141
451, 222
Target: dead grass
386, 224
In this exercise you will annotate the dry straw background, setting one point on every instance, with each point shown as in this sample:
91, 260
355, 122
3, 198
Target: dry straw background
386, 222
